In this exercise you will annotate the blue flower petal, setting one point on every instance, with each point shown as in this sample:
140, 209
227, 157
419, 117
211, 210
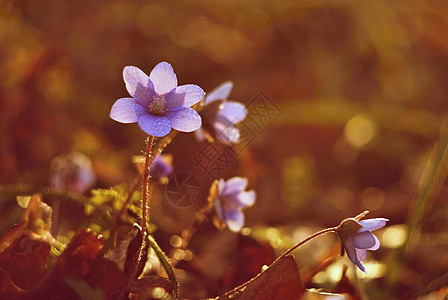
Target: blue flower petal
361, 254
246, 199
127, 110
363, 240
226, 132
138, 85
186, 120
376, 245
221, 92
235, 185
233, 111
350, 249
234, 219
361, 267
183, 96
222, 186
218, 208
351, 253
163, 78
372, 224
154, 125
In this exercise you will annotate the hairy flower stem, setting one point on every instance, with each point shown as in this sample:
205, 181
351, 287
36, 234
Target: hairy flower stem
187, 233
146, 198
145, 184
332, 229
238, 288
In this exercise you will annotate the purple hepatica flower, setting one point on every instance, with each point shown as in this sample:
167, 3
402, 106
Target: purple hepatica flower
221, 115
157, 103
161, 167
357, 238
72, 172
231, 200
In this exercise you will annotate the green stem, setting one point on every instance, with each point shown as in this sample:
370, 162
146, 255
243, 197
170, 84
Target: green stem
332, 229
166, 264
24, 189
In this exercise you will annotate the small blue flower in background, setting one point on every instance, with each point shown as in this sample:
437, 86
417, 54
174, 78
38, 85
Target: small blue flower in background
221, 115
162, 166
157, 103
230, 201
357, 238
160, 169
72, 172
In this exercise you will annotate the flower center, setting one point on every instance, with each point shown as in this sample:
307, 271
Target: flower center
157, 107
229, 202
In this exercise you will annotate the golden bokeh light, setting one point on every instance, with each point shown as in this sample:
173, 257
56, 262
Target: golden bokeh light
359, 131
374, 270
175, 241
394, 236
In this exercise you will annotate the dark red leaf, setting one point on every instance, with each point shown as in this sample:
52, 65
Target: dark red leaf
25, 247
7, 287
118, 268
280, 281
26, 262
76, 261
81, 253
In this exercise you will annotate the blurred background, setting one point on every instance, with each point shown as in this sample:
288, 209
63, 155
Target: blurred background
346, 101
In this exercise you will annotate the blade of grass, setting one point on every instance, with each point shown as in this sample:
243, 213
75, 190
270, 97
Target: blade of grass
24, 189
432, 177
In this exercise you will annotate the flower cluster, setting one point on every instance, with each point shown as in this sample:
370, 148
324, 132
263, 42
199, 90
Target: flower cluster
157, 103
